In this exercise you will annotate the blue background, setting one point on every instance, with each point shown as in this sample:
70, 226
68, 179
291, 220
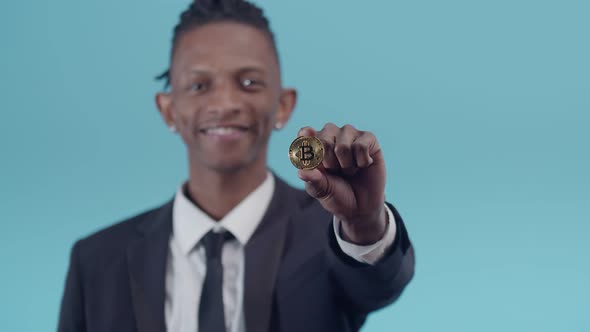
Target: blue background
482, 109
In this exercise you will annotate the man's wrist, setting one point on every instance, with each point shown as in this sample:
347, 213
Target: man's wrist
367, 231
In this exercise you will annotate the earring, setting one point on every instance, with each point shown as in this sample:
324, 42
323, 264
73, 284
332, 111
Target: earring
278, 126
172, 128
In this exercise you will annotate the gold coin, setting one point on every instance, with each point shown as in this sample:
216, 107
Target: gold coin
306, 152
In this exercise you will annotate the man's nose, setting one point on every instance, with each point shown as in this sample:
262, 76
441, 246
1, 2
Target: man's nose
224, 99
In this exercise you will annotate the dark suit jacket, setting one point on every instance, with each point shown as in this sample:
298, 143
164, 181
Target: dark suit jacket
296, 277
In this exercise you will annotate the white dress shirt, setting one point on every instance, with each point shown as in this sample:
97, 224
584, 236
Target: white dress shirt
186, 267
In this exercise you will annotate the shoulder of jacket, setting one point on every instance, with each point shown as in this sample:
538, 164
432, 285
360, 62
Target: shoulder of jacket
116, 236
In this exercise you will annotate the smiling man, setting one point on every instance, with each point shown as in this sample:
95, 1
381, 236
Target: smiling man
236, 248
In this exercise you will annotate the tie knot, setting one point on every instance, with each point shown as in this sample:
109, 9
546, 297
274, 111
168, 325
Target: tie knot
213, 243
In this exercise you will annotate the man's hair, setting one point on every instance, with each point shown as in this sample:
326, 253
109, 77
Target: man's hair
202, 12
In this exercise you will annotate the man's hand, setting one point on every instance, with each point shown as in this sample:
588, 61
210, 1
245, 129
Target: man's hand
350, 182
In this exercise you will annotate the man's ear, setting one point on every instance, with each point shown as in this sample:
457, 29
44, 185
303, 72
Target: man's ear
287, 102
164, 104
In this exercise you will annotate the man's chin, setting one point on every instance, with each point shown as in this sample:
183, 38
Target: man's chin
230, 161
230, 166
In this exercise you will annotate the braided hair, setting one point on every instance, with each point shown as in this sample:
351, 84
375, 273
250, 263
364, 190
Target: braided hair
202, 12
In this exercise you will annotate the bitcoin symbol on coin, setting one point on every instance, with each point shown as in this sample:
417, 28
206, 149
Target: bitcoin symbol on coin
306, 152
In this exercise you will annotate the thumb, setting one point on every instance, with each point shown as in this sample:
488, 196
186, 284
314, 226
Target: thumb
317, 184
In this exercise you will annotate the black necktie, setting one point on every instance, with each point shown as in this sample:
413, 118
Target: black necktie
211, 316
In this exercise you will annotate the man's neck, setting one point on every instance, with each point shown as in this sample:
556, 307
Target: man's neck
217, 193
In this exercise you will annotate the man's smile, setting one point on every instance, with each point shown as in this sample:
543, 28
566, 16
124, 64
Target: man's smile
226, 131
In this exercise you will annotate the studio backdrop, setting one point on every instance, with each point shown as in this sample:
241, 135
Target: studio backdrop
482, 109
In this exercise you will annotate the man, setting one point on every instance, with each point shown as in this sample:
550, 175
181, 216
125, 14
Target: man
237, 249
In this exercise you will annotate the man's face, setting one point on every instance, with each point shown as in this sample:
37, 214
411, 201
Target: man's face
226, 95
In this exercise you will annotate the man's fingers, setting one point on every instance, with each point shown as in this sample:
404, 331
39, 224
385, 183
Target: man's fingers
346, 149
316, 183
328, 137
343, 149
306, 131
363, 148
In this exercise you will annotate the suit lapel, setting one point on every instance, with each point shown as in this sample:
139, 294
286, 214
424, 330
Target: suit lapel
147, 267
263, 254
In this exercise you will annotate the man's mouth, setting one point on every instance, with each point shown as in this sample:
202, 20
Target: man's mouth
225, 131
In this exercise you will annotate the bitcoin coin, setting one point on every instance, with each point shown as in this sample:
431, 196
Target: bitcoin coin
306, 152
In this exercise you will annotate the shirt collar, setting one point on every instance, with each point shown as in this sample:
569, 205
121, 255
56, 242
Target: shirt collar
190, 223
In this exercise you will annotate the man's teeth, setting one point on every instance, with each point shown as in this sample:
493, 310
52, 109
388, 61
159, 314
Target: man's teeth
222, 130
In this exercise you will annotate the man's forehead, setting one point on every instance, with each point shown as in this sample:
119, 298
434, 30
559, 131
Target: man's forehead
225, 44
200, 63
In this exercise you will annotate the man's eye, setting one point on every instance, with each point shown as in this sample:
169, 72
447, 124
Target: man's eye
196, 86
250, 82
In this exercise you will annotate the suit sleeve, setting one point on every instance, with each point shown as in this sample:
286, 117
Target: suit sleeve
71, 316
363, 287
369, 254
